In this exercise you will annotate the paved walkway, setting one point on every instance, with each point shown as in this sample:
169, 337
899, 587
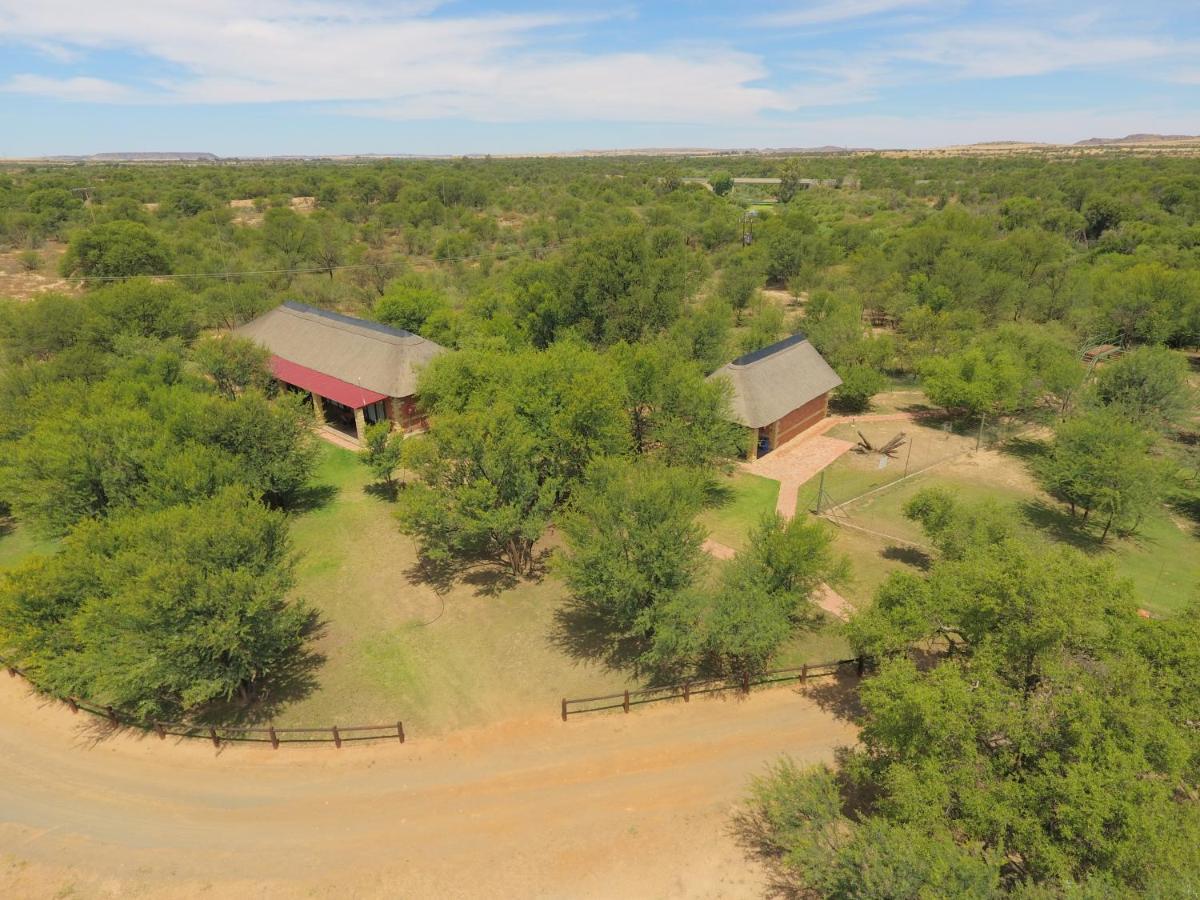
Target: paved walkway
797, 461
337, 438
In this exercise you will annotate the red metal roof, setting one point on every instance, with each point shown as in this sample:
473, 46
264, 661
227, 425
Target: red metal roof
326, 385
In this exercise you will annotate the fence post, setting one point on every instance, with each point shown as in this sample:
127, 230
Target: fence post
687, 692
564, 709
804, 674
746, 682
862, 665
337, 738
112, 716
626, 703
212, 733
274, 737
160, 731
400, 731
72, 705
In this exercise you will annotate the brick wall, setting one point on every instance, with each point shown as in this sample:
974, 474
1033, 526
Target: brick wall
800, 419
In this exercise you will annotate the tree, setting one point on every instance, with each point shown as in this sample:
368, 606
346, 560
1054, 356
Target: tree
1052, 755
1147, 385
382, 452
722, 183
1101, 213
674, 412
740, 280
160, 613
408, 303
973, 382
1099, 462
117, 249
766, 591
511, 435
632, 542
859, 384
955, 527
234, 364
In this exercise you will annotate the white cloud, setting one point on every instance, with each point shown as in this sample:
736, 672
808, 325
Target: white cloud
827, 13
87, 90
989, 52
402, 63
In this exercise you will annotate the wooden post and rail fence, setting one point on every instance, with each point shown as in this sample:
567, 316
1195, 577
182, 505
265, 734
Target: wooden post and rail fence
334, 734
685, 689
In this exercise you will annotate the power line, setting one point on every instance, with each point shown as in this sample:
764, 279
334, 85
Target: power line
325, 269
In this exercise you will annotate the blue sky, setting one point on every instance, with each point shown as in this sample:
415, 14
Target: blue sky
421, 76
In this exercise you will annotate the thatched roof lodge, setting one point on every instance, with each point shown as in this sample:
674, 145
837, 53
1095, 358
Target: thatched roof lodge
357, 372
779, 391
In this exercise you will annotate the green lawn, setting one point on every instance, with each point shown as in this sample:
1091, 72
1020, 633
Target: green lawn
746, 498
1162, 559
396, 649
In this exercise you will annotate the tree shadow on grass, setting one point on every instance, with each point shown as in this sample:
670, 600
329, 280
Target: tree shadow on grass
586, 633
1058, 524
311, 497
382, 490
1028, 450
910, 556
489, 577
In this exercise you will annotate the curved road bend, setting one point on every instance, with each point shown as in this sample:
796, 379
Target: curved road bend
602, 806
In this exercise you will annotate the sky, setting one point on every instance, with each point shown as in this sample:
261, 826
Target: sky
310, 77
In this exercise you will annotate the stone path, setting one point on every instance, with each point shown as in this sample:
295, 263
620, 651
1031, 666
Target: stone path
338, 439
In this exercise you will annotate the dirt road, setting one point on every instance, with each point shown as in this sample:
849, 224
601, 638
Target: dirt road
608, 806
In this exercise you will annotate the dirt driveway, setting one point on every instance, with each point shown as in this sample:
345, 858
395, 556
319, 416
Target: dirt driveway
607, 806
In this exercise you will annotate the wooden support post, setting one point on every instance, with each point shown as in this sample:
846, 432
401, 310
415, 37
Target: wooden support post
804, 674
862, 665
160, 731
212, 733
112, 715
337, 738
400, 731
274, 737
72, 705
564, 709
626, 703
687, 692
746, 682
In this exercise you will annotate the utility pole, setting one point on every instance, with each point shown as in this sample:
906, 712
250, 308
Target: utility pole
908, 457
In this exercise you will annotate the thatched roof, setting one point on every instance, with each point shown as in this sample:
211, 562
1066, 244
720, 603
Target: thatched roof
770, 383
366, 354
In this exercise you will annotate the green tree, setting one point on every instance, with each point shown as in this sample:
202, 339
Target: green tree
632, 543
382, 452
117, 249
161, 613
1147, 385
859, 384
1099, 462
408, 303
974, 382
722, 183
766, 592
234, 364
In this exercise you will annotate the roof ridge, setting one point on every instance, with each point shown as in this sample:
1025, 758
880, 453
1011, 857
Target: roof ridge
762, 353
364, 328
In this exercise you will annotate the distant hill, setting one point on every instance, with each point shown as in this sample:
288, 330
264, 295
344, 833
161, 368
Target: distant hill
1138, 139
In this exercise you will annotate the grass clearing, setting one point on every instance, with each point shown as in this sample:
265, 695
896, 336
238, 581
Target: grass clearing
396, 649
748, 498
1162, 559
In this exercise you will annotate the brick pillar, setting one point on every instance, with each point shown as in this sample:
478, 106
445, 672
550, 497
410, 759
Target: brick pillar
360, 424
318, 408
